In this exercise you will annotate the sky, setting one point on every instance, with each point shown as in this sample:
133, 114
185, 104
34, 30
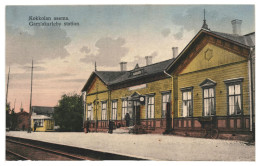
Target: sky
64, 56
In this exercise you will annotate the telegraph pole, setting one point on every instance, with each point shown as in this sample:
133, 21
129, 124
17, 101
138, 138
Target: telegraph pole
7, 87
30, 113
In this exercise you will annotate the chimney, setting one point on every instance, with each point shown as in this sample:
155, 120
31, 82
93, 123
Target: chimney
148, 60
236, 25
123, 66
174, 52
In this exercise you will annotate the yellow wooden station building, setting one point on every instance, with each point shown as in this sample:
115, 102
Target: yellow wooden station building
207, 89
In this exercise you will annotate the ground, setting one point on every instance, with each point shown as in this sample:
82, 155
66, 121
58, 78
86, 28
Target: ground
150, 146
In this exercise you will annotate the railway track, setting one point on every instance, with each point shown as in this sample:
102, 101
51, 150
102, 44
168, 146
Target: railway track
27, 149
10, 155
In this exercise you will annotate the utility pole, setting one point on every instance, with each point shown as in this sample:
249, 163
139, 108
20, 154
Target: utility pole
30, 113
7, 86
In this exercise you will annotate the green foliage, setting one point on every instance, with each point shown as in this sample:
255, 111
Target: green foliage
69, 113
7, 115
13, 120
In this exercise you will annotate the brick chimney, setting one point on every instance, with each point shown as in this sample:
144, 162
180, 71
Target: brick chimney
236, 25
123, 66
174, 52
148, 60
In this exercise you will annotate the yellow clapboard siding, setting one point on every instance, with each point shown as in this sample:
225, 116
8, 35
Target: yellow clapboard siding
212, 56
218, 75
153, 87
101, 97
97, 85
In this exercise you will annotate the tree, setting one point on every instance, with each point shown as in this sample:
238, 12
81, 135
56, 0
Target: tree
13, 120
7, 111
69, 113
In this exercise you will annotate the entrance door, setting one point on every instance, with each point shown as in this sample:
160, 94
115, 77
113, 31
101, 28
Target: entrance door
136, 112
138, 115
168, 117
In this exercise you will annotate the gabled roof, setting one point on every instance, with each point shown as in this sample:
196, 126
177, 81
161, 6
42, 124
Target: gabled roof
115, 77
246, 41
41, 110
105, 76
109, 76
147, 71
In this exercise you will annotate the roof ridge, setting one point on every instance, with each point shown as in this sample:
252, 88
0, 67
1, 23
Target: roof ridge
155, 63
228, 34
249, 33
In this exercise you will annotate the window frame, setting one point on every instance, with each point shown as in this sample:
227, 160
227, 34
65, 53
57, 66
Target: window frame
233, 82
187, 89
208, 84
123, 108
90, 111
148, 106
203, 98
103, 102
42, 122
163, 113
114, 108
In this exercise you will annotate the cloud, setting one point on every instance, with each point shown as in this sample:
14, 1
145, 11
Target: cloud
165, 32
43, 43
179, 35
109, 53
85, 49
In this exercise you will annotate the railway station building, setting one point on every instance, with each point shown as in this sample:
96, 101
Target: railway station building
208, 88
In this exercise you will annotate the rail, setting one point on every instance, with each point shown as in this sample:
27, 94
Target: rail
75, 153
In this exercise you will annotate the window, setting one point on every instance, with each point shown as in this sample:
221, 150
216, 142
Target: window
234, 96
104, 111
150, 107
187, 108
39, 122
166, 98
208, 92
234, 99
124, 108
114, 110
90, 112
209, 101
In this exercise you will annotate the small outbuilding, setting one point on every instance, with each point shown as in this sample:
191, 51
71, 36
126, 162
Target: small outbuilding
43, 118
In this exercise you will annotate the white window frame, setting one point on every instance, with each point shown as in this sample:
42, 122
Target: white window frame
150, 107
114, 110
187, 101
209, 99
40, 122
90, 111
104, 110
124, 108
166, 98
236, 96
236, 83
